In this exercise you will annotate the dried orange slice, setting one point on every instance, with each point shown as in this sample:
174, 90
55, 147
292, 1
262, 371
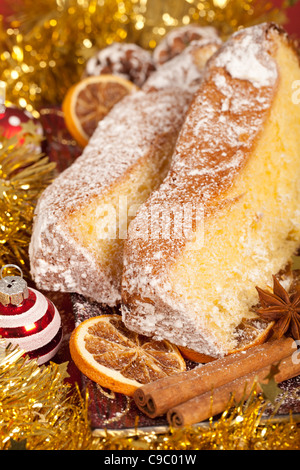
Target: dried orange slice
116, 358
250, 332
89, 101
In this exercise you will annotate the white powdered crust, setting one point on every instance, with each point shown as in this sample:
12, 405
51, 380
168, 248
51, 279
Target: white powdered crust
128, 61
258, 67
122, 139
183, 69
222, 124
178, 38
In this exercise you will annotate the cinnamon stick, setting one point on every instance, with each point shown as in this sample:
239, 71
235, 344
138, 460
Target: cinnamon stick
215, 402
158, 397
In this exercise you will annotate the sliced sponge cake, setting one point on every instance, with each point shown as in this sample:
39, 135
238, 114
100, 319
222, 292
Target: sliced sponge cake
227, 216
81, 219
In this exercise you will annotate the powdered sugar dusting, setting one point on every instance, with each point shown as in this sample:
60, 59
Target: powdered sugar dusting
178, 38
124, 137
251, 61
128, 61
183, 70
121, 139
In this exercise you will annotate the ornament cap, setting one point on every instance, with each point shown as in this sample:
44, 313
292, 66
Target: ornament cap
13, 289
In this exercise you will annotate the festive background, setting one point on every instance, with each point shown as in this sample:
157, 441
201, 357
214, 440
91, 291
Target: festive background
44, 47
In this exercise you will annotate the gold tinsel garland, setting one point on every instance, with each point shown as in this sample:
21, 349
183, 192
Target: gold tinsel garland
40, 410
45, 44
24, 173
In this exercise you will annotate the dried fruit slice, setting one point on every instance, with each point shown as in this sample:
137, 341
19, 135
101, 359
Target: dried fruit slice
116, 358
250, 332
88, 102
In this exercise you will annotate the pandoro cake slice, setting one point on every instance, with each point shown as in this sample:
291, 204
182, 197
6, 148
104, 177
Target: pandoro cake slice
82, 217
227, 216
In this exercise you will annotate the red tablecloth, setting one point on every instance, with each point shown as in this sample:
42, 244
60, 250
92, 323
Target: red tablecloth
293, 13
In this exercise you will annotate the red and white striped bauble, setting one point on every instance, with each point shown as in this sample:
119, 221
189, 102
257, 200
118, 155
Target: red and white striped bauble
28, 319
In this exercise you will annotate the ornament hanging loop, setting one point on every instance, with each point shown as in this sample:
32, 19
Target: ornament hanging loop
10, 266
13, 289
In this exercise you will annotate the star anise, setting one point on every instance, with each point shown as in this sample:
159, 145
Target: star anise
282, 308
